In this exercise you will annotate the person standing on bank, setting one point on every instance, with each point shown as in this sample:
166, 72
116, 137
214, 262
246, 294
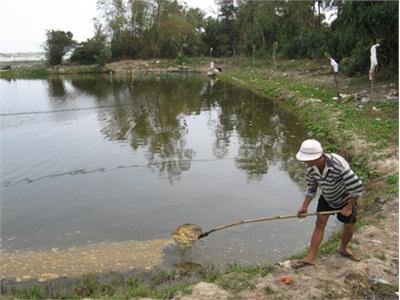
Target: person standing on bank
340, 189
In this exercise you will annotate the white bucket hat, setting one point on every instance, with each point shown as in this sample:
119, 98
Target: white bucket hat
309, 150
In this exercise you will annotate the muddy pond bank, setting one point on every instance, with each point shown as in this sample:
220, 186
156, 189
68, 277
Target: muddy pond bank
122, 69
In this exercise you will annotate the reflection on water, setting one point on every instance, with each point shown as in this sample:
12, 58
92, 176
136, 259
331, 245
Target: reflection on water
152, 115
122, 160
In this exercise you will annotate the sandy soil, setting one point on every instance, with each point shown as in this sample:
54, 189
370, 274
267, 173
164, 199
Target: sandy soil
154, 66
77, 261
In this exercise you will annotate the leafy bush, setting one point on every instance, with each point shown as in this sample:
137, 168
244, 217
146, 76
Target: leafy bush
310, 44
180, 59
93, 51
358, 62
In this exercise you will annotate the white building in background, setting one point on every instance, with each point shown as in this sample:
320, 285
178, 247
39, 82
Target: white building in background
28, 56
24, 56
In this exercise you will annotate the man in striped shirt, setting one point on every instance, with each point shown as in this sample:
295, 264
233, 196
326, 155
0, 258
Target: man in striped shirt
340, 189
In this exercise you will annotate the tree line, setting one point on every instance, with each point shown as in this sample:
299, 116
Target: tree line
142, 29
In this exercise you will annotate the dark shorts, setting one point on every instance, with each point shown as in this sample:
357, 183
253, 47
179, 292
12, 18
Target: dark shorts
324, 206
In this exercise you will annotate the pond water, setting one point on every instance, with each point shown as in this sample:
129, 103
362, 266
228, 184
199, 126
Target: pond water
91, 161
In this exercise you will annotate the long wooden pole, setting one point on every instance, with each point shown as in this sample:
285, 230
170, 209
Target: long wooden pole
372, 82
274, 48
336, 84
266, 219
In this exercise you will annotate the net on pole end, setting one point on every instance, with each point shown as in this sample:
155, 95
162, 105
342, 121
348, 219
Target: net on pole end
186, 235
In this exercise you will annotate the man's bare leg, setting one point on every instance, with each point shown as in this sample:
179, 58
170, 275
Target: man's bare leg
347, 235
316, 239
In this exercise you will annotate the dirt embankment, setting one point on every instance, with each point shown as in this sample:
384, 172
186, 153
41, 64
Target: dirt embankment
146, 66
162, 66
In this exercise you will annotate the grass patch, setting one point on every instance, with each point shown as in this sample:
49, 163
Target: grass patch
36, 71
306, 91
42, 71
236, 278
393, 179
362, 170
236, 282
268, 290
261, 270
211, 275
385, 291
381, 129
159, 285
361, 223
136, 288
331, 244
34, 292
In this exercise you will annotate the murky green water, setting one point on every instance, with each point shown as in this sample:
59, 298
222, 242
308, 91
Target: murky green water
87, 160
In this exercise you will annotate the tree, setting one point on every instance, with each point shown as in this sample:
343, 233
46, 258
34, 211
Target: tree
178, 31
358, 27
58, 43
93, 51
262, 23
228, 33
210, 36
114, 15
151, 28
258, 27
169, 28
193, 44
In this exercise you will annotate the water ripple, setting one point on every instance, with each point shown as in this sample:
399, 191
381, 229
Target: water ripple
9, 183
63, 110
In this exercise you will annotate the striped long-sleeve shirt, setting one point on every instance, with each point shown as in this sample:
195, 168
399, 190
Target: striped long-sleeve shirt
338, 183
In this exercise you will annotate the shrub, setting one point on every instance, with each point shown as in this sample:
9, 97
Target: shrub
358, 62
93, 51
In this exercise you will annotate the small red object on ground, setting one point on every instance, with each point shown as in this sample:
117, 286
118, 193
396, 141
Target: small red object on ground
287, 279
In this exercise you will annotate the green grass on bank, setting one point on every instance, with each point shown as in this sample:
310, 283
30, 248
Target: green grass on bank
332, 122
41, 71
159, 284
34, 71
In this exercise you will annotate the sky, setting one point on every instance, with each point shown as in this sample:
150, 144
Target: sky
23, 23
